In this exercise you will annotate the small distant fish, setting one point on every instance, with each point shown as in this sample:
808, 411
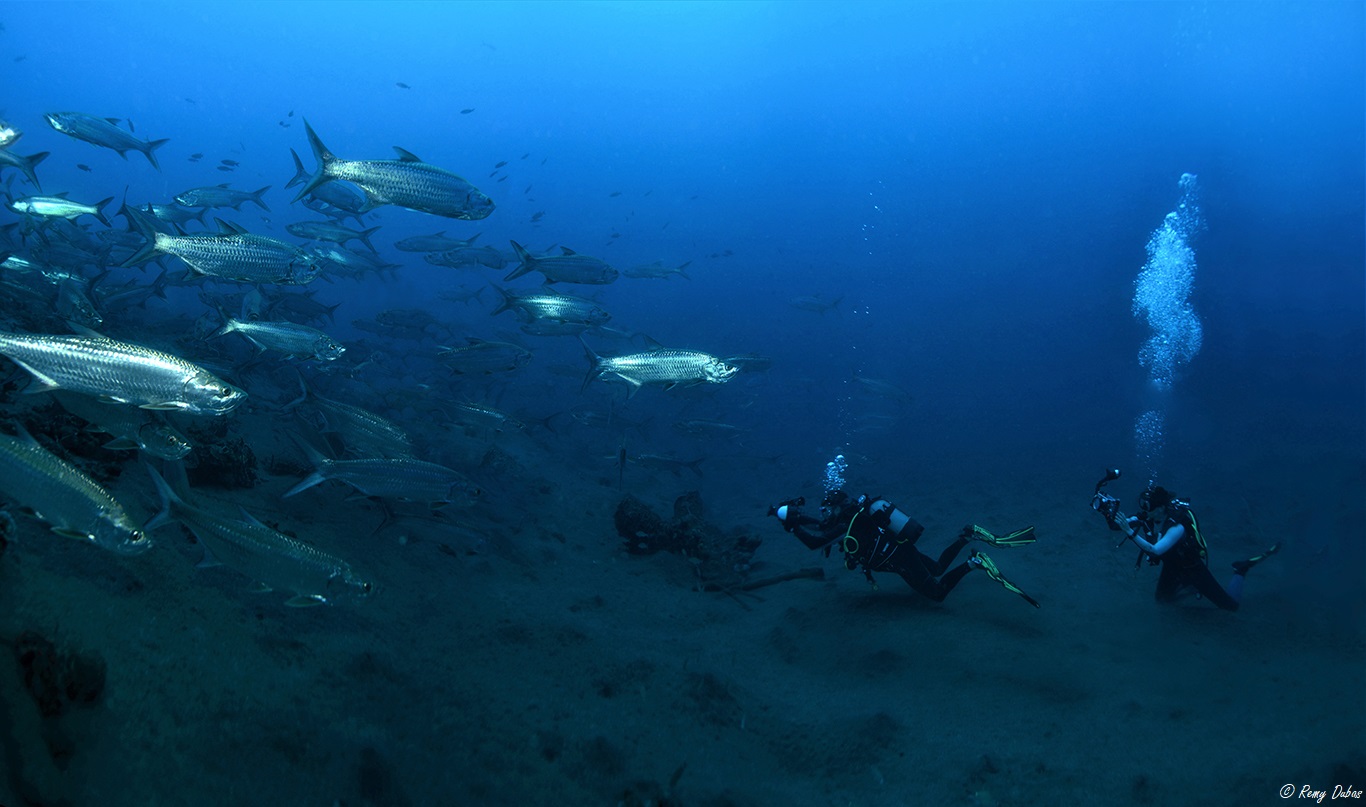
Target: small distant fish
537, 215
229, 162
18, 59
194, 158
528, 190
816, 303
402, 86
501, 164
569, 267
291, 113
225, 168
189, 100
466, 111
479, 357
524, 156
613, 194
83, 166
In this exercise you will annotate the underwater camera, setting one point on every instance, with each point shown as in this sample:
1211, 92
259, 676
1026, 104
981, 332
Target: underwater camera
787, 511
1104, 503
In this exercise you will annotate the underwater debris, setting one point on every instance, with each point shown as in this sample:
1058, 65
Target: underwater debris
222, 462
57, 678
722, 560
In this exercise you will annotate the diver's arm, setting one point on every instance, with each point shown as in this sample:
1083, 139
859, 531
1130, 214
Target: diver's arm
812, 540
1168, 540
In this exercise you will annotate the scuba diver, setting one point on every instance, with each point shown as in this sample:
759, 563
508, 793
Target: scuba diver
873, 534
1180, 549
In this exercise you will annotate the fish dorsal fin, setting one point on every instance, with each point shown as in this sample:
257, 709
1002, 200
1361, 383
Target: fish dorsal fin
221, 185
252, 520
81, 330
474, 340
407, 156
568, 251
228, 228
223, 226
115, 121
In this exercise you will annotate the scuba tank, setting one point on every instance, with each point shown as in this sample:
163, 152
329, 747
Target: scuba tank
898, 526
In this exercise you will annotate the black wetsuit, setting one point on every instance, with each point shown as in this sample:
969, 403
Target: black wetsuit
1186, 566
871, 545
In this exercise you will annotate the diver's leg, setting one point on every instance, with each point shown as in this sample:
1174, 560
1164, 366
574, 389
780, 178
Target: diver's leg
1210, 589
1169, 583
917, 576
950, 552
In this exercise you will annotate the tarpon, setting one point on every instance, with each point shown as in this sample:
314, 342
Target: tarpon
266, 555
72, 503
103, 132
665, 367
406, 182
120, 372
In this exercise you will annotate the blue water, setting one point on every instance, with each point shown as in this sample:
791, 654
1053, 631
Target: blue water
976, 182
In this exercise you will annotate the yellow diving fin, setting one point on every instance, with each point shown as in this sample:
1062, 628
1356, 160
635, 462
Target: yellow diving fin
984, 563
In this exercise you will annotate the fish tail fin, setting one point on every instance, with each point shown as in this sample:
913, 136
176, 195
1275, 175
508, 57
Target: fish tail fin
320, 465
594, 362
151, 151
503, 294
229, 324
365, 237
324, 157
99, 211
142, 223
696, 466
256, 197
301, 174
26, 165
169, 500
527, 262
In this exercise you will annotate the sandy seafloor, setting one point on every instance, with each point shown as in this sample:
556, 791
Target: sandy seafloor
549, 667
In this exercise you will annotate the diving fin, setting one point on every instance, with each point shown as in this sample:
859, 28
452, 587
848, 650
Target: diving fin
985, 563
1019, 537
1243, 566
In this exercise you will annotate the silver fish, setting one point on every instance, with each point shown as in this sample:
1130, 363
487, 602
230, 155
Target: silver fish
666, 367
132, 428
569, 267
75, 505
331, 231
392, 478
437, 242
221, 196
297, 341
657, 270
120, 372
232, 255
363, 432
103, 132
543, 306
406, 182
8, 135
484, 357
266, 555
59, 207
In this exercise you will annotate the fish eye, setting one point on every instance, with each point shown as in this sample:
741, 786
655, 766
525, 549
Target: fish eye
136, 536
224, 392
